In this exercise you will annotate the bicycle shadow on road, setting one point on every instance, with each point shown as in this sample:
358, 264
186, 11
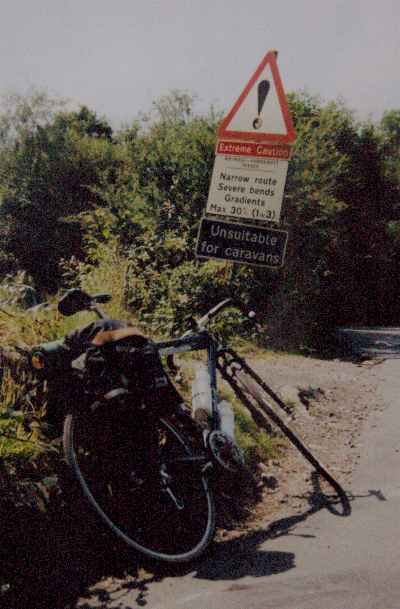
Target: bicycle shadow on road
231, 559
241, 557
235, 558
100, 571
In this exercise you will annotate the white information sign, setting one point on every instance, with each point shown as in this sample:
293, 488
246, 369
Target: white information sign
247, 187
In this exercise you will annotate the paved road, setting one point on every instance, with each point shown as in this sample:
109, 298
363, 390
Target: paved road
377, 341
315, 561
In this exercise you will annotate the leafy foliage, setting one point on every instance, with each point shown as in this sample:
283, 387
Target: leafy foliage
71, 188
50, 178
22, 114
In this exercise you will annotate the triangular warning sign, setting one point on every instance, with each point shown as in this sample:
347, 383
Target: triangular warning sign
261, 114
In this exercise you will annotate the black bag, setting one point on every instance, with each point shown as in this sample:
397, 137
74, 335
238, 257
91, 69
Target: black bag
134, 362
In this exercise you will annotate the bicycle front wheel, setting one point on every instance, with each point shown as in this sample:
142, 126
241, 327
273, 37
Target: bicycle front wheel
144, 477
256, 392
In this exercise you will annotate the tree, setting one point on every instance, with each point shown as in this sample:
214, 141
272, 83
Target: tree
84, 122
341, 262
172, 158
51, 179
175, 107
20, 115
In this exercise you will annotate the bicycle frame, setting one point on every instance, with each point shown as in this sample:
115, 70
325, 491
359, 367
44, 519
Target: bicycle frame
200, 341
245, 382
196, 341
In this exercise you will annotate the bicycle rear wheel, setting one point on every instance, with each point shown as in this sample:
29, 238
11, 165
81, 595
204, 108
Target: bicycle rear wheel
144, 478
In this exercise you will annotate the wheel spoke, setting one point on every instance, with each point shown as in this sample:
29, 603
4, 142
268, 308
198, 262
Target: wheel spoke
147, 484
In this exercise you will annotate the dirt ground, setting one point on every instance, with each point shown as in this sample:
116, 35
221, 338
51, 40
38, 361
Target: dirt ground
331, 401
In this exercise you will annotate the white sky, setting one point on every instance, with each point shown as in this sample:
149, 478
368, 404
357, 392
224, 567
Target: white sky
116, 56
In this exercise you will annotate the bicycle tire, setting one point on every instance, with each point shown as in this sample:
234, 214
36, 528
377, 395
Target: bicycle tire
257, 394
128, 506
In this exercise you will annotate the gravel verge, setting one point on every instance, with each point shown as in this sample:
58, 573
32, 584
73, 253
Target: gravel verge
330, 402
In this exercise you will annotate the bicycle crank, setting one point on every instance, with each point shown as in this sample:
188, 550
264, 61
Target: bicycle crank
225, 451
166, 479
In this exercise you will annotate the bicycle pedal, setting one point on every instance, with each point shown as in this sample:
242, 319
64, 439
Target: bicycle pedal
225, 451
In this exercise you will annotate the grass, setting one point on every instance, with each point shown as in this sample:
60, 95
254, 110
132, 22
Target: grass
15, 442
257, 445
21, 442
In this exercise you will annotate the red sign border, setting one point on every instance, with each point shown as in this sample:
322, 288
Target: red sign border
289, 138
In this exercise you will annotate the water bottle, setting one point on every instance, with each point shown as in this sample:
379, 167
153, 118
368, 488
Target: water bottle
227, 418
201, 395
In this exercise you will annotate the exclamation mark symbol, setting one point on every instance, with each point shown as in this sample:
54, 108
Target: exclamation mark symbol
262, 92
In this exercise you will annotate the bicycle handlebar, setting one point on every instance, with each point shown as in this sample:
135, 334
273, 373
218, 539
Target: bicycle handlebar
77, 300
201, 323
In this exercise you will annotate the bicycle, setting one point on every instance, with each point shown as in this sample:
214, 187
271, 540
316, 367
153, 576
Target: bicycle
148, 473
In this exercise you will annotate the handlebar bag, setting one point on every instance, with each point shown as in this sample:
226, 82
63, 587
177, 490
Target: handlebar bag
135, 361
81, 339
